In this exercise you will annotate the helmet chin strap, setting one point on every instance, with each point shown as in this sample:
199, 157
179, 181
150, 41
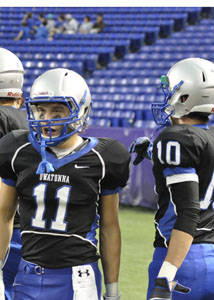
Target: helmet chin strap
45, 166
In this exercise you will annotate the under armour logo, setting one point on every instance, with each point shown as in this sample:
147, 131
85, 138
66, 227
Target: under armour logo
81, 273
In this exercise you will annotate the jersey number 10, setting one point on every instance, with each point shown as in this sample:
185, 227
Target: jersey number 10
175, 146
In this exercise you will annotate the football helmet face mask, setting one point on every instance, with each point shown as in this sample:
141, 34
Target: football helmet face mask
187, 87
11, 75
58, 86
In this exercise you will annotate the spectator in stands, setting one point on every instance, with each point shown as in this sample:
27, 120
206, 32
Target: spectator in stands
28, 20
38, 21
86, 26
59, 26
71, 25
41, 32
27, 16
41, 18
98, 25
50, 22
25, 33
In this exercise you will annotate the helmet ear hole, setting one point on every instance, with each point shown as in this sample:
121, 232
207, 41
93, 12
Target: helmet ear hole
184, 98
203, 76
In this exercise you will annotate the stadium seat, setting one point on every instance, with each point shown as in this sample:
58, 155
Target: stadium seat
180, 21
99, 122
122, 64
194, 16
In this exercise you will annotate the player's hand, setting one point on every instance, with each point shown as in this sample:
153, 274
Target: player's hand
162, 289
142, 146
2, 297
111, 298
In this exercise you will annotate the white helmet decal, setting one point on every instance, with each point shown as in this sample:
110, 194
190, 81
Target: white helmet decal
11, 75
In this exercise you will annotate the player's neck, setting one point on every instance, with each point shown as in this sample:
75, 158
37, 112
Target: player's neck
188, 121
70, 142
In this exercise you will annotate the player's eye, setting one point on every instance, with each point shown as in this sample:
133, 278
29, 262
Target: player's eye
56, 116
40, 109
57, 110
41, 115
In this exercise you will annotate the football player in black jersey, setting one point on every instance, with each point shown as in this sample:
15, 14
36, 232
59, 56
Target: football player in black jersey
67, 187
183, 167
11, 118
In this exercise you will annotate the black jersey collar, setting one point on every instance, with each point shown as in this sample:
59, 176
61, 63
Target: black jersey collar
57, 163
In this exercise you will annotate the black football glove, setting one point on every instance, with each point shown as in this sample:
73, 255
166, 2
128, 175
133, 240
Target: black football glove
142, 146
162, 290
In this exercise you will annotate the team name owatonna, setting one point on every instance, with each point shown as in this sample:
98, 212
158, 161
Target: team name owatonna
54, 177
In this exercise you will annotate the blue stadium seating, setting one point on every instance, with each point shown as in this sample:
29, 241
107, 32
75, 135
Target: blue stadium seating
122, 64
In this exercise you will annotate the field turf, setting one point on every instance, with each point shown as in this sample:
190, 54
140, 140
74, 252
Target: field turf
137, 229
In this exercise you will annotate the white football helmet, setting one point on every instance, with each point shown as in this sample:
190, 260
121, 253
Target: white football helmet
187, 87
61, 86
11, 75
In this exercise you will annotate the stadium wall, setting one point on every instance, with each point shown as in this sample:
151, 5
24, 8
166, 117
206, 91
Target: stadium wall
140, 188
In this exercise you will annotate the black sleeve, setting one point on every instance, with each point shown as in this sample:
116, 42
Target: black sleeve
11, 119
3, 124
6, 154
117, 159
185, 196
16, 119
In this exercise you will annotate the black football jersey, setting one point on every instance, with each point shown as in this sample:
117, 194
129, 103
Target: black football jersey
12, 119
181, 154
59, 210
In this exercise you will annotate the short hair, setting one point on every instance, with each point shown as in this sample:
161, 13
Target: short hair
8, 101
202, 116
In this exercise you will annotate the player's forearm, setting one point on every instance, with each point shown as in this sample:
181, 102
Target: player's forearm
6, 229
110, 249
179, 245
8, 206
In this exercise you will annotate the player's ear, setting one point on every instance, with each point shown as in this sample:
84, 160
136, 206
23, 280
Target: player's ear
20, 102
